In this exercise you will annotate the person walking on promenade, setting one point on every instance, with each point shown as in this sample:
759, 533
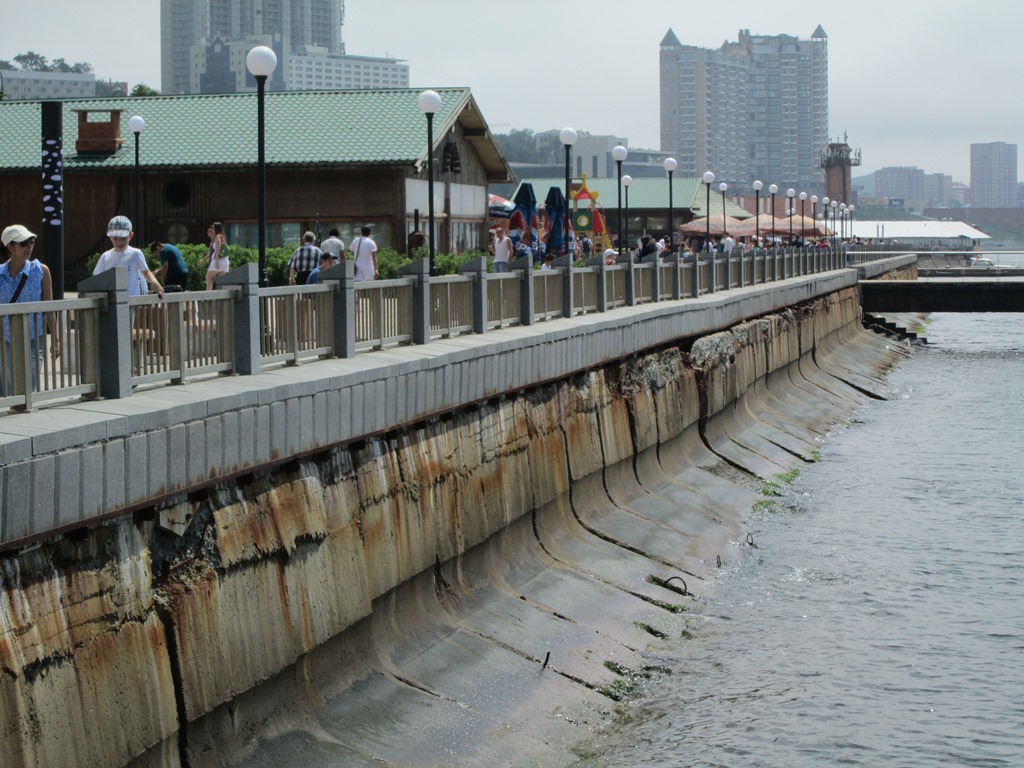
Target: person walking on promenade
217, 256
502, 250
333, 245
304, 260
24, 279
364, 251
119, 230
173, 269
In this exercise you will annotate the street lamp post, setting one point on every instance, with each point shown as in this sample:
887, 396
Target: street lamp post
757, 211
850, 209
790, 194
670, 165
842, 221
721, 188
803, 217
619, 154
260, 62
429, 102
834, 204
136, 125
772, 189
708, 178
627, 181
568, 137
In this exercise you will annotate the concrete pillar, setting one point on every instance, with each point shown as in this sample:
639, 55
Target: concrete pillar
674, 261
344, 306
114, 336
245, 318
655, 261
420, 269
600, 283
627, 260
565, 264
478, 268
525, 263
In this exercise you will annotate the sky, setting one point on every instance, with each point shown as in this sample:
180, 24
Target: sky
911, 82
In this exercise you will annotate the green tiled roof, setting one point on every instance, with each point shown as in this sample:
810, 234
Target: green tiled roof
302, 127
648, 192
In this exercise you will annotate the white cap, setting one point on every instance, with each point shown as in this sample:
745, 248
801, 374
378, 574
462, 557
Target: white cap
119, 226
611, 252
16, 234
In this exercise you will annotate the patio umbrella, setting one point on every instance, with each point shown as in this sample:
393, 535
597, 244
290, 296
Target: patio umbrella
523, 225
555, 212
700, 226
499, 207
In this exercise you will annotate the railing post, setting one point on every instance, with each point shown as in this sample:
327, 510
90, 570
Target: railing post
696, 274
245, 311
627, 259
655, 261
677, 275
343, 302
478, 268
525, 263
420, 269
741, 260
565, 264
713, 271
600, 283
114, 331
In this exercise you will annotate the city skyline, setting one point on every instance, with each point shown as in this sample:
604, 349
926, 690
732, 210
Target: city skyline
904, 91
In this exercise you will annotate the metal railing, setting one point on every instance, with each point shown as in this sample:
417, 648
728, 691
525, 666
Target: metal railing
451, 305
50, 351
379, 323
180, 337
547, 294
105, 344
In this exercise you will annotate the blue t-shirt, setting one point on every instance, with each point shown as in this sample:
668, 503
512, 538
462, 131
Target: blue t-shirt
176, 266
33, 291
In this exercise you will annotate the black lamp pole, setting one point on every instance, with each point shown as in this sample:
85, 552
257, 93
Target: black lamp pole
670, 165
429, 102
757, 211
567, 137
260, 62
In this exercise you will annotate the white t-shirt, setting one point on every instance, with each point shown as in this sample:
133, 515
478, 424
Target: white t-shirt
363, 247
503, 249
131, 259
333, 246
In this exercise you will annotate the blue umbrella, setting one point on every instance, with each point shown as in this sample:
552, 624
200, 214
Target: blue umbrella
523, 225
555, 210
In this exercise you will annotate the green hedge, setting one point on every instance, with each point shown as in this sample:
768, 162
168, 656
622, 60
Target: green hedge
389, 261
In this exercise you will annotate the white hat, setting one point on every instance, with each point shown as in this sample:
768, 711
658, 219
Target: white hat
119, 226
16, 234
610, 252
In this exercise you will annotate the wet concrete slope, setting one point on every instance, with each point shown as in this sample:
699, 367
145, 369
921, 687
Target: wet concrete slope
478, 590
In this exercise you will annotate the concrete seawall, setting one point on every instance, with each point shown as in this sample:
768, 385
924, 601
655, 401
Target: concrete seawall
474, 589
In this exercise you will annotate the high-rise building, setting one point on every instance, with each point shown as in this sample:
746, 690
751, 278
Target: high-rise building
204, 43
752, 109
994, 175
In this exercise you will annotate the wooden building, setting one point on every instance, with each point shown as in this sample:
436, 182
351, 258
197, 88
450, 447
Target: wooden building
333, 159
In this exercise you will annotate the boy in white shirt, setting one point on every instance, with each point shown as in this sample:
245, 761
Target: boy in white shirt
119, 230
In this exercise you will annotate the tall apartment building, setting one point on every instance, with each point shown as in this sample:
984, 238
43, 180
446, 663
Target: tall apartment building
994, 175
204, 43
752, 109
900, 183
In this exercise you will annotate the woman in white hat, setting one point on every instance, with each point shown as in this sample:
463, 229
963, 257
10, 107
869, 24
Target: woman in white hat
24, 279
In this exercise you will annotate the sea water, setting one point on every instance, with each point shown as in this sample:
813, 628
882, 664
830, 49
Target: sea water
878, 618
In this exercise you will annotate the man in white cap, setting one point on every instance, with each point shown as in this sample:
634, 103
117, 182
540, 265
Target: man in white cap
119, 230
24, 279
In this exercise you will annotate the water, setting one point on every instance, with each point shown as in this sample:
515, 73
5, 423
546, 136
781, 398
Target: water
879, 619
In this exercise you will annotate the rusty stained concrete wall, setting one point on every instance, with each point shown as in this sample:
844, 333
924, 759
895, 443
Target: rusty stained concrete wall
130, 645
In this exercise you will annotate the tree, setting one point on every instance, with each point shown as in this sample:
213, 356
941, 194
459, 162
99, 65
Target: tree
32, 62
5, 64
519, 146
81, 68
141, 89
